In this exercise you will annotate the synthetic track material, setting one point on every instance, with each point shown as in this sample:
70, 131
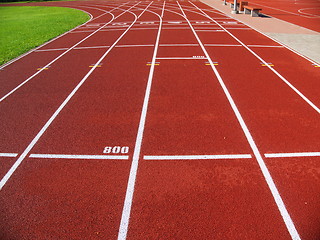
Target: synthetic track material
159, 120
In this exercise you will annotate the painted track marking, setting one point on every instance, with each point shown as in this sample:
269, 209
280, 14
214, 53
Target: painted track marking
197, 157
8, 154
275, 193
83, 157
297, 154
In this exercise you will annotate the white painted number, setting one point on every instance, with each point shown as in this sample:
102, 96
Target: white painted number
116, 150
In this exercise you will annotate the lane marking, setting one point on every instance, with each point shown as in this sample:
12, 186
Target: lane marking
147, 23
174, 22
120, 24
197, 157
8, 154
267, 64
265, 171
52, 49
316, 65
125, 217
56, 113
84, 157
182, 58
153, 64
96, 65
97, 47
297, 154
230, 23
43, 68
209, 63
179, 45
129, 46
266, 46
222, 45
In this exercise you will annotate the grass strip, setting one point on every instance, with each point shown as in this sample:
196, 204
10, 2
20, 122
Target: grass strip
24, 28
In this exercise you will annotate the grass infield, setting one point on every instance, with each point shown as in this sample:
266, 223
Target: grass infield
24, 28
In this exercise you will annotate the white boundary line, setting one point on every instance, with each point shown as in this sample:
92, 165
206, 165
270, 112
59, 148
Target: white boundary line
83, 157
197, 157
286, 155
8, 154
181, 58
275, 193
124, 224
56, 113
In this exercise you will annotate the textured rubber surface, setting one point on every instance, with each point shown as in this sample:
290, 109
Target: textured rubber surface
180, 100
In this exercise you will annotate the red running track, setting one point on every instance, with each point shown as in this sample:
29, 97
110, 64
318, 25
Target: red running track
305, 13
159, 120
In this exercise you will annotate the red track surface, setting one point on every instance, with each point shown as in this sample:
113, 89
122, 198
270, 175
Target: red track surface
215, 144
305, 13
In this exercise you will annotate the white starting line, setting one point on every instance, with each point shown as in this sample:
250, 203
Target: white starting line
197, 157
8, 154
286, 155
164, 157
80, 157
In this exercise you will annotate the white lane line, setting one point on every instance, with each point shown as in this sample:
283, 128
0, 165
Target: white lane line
179, 45
95, 47
124, 224
48, 123
54, 60
297, 154
84, 157
197, 157
266, 46
182, 58
51, 49
308, 101
130, 46
275, 193
222, 45
8, 154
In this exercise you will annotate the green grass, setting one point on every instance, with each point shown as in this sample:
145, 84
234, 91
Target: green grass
24, 28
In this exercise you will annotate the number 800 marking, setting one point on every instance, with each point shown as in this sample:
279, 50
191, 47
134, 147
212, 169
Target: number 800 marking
116, 150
